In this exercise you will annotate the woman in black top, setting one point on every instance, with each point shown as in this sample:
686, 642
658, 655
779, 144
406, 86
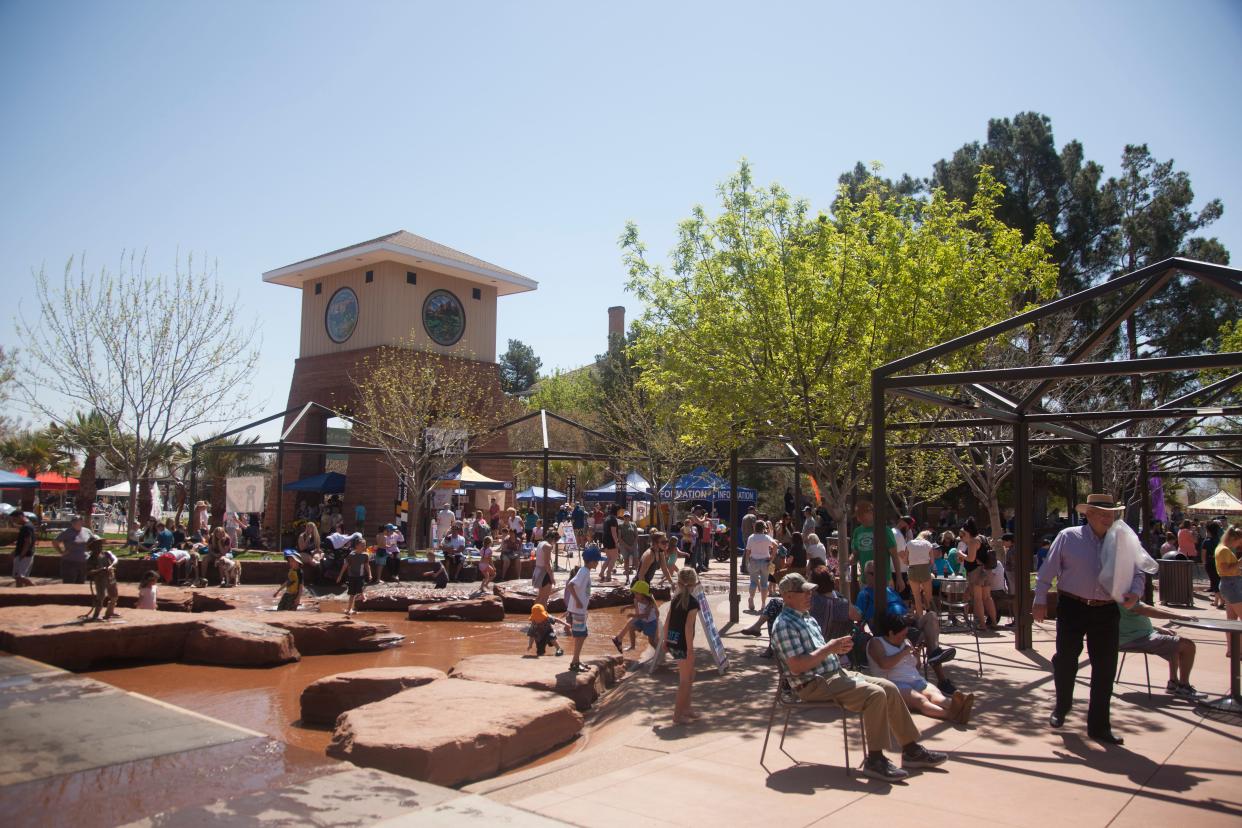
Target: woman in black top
683, 614
797, 553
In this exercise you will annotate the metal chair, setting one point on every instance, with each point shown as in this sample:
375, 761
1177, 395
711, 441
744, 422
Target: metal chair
953, 599
786, 698
1146, 666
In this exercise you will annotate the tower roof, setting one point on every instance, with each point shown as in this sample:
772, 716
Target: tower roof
406, 248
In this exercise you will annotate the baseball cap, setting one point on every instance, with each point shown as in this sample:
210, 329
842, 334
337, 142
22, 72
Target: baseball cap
793, 582
390, 527
591, 554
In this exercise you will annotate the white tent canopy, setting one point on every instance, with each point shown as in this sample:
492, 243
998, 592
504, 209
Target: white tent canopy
117, 490
1221, 503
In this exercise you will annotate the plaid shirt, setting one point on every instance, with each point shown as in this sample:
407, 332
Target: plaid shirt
798, 634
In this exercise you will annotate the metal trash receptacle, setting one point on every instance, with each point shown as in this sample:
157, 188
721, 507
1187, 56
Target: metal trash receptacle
1177, 583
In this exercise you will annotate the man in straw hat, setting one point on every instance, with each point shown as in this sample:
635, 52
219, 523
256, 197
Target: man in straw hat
1084, 609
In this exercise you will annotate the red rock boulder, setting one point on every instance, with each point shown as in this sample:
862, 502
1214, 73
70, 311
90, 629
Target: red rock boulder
487, 608
549, 674
238, 642
453, 732
326, 699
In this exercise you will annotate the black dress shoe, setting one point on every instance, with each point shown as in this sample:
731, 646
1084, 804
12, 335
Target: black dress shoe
1107, 738
1056, 719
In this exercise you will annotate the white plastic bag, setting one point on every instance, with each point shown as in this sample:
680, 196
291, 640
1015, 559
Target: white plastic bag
1121, 555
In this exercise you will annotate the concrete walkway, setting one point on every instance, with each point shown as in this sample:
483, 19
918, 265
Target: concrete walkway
80, 752
1007, 767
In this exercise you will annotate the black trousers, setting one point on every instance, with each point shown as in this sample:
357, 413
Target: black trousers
1098, 624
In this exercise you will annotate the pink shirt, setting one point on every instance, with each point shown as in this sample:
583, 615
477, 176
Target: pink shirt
1186, 543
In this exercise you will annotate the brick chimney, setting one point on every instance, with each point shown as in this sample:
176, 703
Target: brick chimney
616, 322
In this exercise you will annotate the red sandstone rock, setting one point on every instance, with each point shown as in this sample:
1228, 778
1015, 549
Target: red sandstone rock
324, 700
56, 635
238, 642
452, 732
545, 673
317, 633
519, 599
488, 608
398, 597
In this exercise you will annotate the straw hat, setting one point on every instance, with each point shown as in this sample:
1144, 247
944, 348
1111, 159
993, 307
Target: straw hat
1103, 502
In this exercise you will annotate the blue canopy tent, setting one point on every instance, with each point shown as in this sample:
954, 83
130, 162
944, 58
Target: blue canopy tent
8, 480
702, 484
536, 493
326, 483
637, 487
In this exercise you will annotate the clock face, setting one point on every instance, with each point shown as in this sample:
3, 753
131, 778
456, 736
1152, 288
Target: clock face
443, 317
342, 315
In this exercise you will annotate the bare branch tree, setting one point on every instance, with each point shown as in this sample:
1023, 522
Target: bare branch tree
154, 355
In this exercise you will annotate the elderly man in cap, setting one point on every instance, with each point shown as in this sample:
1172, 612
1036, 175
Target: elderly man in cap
815, 674
1084, 609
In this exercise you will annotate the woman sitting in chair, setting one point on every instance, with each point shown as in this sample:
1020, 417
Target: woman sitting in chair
892, 657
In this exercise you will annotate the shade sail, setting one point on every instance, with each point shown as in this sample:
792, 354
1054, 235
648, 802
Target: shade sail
326, 483
1221, 503
52, 480
9, 480
702, 484
637, 487
462, 476
536, 493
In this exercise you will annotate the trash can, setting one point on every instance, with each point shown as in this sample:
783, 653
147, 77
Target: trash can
1177, 583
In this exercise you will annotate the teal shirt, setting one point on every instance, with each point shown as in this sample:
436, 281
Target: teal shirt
1132, 626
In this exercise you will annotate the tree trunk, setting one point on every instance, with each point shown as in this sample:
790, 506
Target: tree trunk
85, 500
217, 500
994, 515
143, 511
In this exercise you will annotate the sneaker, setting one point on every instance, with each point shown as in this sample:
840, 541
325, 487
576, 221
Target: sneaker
882, 769
559, 651
767, 653
946, 686
941, 655
616, 642
1172, 687
918, 756
1187, 691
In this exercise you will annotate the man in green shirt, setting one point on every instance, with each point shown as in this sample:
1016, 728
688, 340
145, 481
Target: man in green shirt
862, 542
1137, 635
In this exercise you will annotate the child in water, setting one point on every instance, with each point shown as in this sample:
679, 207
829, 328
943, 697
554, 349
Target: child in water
542, 631
147, 590
101, 569
487, 571
645, 617
356, 565
292, 587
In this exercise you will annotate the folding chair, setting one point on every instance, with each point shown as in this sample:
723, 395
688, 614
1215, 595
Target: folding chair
1146, 666
786, 698
953, 599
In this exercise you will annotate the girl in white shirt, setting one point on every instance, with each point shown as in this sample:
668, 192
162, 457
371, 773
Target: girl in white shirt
147, 590
759, 550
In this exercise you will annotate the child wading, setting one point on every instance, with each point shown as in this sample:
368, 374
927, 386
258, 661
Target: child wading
645, 618
577, 598
292, 587
147, 591
356, 565
542, 631
487, 571
101, 569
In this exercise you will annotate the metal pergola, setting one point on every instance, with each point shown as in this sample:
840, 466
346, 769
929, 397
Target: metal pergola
989, 405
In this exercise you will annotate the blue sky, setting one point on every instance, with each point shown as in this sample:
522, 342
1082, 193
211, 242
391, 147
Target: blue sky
527, 134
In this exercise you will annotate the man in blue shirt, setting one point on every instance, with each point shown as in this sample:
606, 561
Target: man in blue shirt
815, 674
163, 537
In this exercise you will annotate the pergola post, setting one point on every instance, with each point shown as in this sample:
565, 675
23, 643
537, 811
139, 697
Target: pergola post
797, 491
1023, 535
280, 496
735, 599
880, 542
193, 489
1146, 507
1097, 466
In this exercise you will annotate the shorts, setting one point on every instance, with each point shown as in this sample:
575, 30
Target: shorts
540, 578
918, 685
629, 553
22, 566
758, 573
647, 628
1157, 644
978, 577
1231, 589
288, 601
920, 573
578, 625
675, 646
356, 583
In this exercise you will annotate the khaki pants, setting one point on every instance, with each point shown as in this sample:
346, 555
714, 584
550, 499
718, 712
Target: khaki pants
880, 702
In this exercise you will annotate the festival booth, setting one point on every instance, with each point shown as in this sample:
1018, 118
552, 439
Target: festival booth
461, 480
535, 493
702, 487
1221, 503
637, 487
325, 483
9, 480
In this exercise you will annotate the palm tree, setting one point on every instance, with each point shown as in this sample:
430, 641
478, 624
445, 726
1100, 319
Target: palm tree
219, 465
36, 452
87, 433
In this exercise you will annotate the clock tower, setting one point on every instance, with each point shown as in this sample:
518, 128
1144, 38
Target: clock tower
393, 290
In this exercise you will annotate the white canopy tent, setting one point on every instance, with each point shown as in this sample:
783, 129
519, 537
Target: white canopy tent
1221, 503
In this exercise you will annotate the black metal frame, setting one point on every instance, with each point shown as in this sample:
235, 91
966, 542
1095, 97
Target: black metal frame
1023, 415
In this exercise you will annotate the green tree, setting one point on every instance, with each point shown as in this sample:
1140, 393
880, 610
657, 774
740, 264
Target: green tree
88, 434
772, 318
571, 394
519, 367
36, 452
